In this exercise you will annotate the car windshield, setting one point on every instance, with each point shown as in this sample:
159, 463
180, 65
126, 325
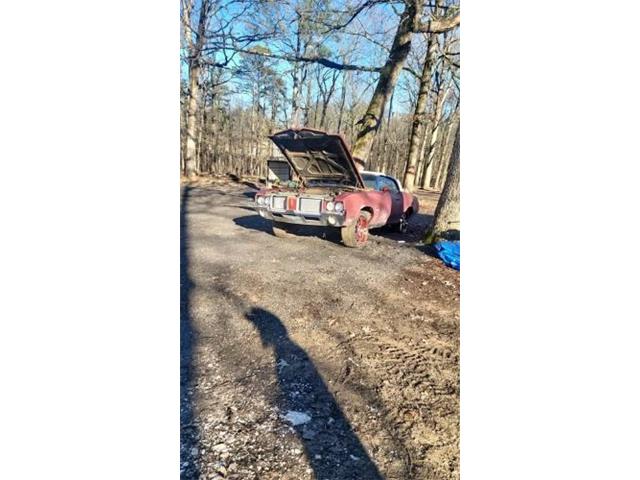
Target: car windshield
369, 180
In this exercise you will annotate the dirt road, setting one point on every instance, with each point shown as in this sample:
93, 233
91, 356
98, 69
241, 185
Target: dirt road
359, 348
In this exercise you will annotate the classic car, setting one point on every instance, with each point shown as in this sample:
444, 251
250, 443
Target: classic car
330, 191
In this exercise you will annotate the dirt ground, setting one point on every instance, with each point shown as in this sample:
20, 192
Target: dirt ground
359, 346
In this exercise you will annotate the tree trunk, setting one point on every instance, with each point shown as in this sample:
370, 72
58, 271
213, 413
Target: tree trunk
192, 120
420, 114
195, 54
427, 173
326, 98
446, 223
307, 103
429, 161
433, 141
420, 168
370, 122
446, 151
345, 80
274, 113
316, 108
323, 114
295, 93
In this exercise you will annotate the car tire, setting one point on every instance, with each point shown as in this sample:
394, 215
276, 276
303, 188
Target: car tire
357, 234
280, 230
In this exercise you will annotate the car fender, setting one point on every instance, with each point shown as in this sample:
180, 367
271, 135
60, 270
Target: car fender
378, 203
410, 201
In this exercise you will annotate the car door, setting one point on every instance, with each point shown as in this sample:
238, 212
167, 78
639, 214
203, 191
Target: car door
390, 187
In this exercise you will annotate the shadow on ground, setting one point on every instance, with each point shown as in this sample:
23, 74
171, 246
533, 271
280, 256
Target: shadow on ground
331, 446
189, 432
256, 222
415, 232
418, 224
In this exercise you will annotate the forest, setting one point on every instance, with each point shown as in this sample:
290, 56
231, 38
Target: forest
383, 73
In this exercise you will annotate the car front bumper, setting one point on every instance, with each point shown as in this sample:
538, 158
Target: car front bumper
324, 219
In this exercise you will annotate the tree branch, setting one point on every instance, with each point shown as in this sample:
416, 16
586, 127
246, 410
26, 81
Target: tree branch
325, 62
333, 28
306, 59
439, 25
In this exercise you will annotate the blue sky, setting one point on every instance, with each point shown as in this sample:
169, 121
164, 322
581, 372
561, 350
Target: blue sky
379, 19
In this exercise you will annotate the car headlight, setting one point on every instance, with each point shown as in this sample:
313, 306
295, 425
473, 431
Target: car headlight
339, 207
330, 206
260, 201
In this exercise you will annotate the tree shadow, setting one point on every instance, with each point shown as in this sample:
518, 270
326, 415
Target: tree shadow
189, 432
418, 223
248, 183
332, 448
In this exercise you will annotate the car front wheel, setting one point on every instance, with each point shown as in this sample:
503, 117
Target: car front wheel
357, 234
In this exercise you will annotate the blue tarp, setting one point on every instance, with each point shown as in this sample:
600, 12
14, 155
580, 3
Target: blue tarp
449, 252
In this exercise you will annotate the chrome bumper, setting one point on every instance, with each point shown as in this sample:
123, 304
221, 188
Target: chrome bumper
323, 219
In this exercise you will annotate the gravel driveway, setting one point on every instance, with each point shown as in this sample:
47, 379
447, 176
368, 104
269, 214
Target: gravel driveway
304, 359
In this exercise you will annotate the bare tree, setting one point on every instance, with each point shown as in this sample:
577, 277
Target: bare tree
194, 39
433, 137
420, 114
326, 80
410, 22
261, 62
446, 223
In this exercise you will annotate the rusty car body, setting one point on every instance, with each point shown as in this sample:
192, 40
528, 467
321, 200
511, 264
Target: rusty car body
330, 191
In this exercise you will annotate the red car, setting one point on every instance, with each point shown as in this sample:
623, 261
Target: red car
330, 191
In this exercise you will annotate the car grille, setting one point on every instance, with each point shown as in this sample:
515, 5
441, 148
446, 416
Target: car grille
278, 203
310, 205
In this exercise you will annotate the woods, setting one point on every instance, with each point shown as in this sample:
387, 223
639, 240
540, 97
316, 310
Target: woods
384, 74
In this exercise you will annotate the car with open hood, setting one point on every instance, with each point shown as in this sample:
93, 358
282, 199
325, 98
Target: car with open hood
330, 191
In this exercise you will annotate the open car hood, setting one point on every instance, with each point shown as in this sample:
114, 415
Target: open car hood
318, 157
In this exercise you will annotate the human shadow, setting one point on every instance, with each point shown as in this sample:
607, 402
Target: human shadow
189, 432
332, 448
